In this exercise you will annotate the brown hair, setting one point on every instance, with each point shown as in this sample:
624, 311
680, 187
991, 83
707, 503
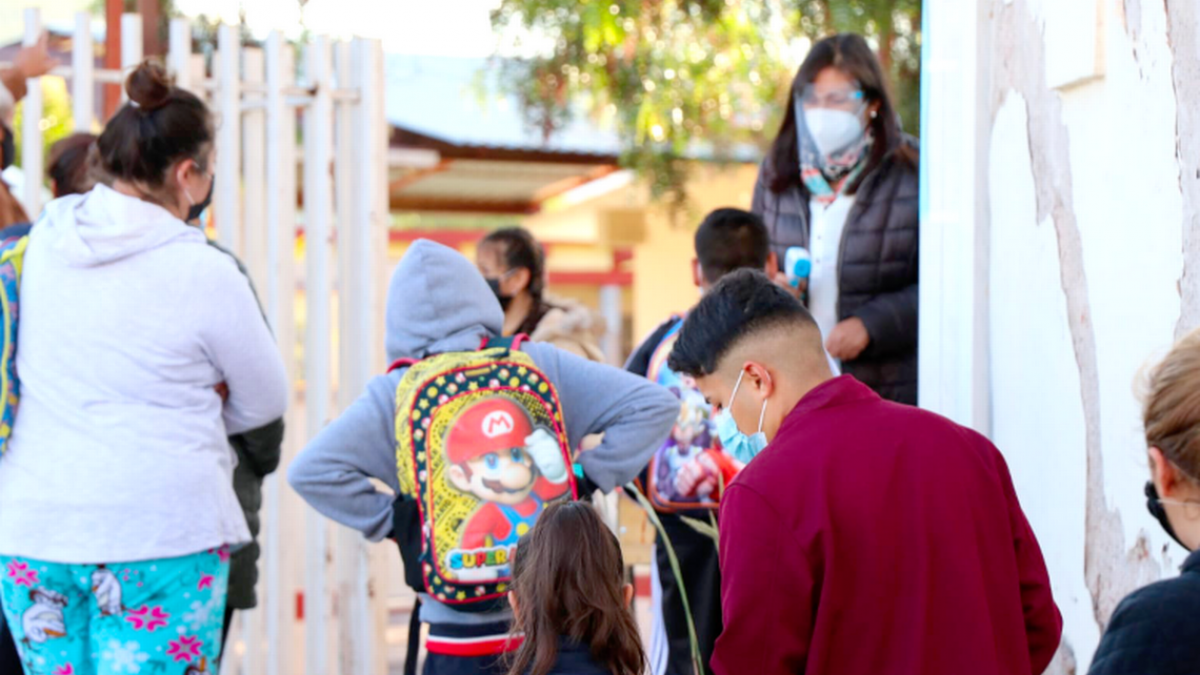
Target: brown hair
518, 248
569, 579
849, 53
160, 125
1172, 406
71, 164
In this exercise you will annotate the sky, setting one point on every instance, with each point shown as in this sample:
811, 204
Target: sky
427, 27
430, 27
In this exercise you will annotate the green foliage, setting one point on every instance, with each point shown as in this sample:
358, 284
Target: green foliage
688, 78
57, 122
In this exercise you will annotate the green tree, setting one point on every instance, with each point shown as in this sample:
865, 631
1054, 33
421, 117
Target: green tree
56, 124
680, 78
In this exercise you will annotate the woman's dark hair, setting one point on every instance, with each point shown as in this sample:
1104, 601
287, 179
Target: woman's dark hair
518, 249
70, 164
569, 579
849, 53
160, 125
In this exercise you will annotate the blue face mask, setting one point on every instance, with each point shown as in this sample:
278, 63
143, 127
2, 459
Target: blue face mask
738, 445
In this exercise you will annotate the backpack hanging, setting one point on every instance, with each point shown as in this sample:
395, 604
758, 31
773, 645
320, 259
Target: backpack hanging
482, 450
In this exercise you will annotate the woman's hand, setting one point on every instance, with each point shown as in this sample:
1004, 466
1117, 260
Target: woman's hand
781, 279
848, 339
35, 60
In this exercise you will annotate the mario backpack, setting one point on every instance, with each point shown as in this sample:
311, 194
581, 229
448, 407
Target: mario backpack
690, 470
481, 450
12, 255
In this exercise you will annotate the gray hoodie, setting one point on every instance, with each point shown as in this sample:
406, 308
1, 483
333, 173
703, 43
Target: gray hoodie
438, 302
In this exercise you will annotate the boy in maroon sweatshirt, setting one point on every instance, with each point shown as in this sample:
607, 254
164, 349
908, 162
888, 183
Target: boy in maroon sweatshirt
867, 537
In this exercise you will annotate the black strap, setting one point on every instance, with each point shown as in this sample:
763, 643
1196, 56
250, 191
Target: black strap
414, 640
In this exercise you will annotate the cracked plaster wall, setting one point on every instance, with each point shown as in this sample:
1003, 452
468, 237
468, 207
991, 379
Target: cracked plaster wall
1093, 236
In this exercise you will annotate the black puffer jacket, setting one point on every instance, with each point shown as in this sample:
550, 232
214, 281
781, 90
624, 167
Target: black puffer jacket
877, 265
1155, 630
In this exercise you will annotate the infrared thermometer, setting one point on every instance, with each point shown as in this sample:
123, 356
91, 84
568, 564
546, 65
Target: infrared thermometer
797, 264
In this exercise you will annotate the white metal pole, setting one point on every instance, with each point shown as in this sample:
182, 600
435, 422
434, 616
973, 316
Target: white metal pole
131, 47
31, 139
318, 148
83, 83
371, 242
179, 55
198, 74
228, 138
353, 620
276, 246
283, 553
254, 175
255, 259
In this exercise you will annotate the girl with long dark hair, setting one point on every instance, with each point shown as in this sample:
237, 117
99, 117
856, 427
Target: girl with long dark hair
571, 600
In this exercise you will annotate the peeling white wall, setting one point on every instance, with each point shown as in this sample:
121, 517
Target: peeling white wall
1086, 222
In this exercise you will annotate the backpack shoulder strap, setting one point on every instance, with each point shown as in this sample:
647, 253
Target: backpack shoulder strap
512, 343
402, 363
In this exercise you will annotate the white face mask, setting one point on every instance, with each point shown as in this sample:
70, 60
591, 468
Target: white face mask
832, 130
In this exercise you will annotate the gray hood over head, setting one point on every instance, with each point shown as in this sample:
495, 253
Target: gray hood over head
438, 302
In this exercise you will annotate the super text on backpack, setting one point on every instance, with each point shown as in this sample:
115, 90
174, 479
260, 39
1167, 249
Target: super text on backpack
12, 254
482, 449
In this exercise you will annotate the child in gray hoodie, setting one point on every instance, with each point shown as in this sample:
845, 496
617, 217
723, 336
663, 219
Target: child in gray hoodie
439, 303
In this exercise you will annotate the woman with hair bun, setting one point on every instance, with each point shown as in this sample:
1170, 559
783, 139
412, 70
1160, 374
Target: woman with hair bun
141, 350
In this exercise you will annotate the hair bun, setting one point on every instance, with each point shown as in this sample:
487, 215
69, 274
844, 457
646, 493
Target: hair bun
148, 86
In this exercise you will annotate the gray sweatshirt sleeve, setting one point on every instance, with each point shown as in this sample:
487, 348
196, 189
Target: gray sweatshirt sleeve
634, 414
242, 348
333, 471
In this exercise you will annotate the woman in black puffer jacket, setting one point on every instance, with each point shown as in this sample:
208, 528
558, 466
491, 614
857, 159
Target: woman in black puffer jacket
840, 182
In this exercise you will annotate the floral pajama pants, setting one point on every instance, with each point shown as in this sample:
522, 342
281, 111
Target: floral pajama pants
157, 617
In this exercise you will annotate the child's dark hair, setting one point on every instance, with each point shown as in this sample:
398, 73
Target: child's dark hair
730, 239
518, 248
569, 580
70, 164
160, 125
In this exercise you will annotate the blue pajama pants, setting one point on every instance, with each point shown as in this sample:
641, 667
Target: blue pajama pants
156, 617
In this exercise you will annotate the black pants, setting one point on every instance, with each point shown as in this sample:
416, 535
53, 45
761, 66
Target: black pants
10, 659
697, 554
225, 628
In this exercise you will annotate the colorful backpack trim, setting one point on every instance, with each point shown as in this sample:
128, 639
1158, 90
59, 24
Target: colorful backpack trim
482, 449
12, 258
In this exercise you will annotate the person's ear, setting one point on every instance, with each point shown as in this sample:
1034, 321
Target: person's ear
760, 380
873, 111
520, 279
512, 602
697, 274
1163, 473
627, 590
772, 265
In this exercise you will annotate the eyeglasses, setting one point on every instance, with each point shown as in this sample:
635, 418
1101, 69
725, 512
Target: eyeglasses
843, 99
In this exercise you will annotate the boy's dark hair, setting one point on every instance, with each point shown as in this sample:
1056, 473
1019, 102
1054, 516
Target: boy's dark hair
70, 164
518, 248
731, 239
742, 304
569, 580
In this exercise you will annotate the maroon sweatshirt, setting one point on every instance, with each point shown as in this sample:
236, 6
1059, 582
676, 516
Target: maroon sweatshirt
872, 538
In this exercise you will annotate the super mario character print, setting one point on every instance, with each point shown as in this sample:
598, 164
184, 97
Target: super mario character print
158, 617
512, 469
